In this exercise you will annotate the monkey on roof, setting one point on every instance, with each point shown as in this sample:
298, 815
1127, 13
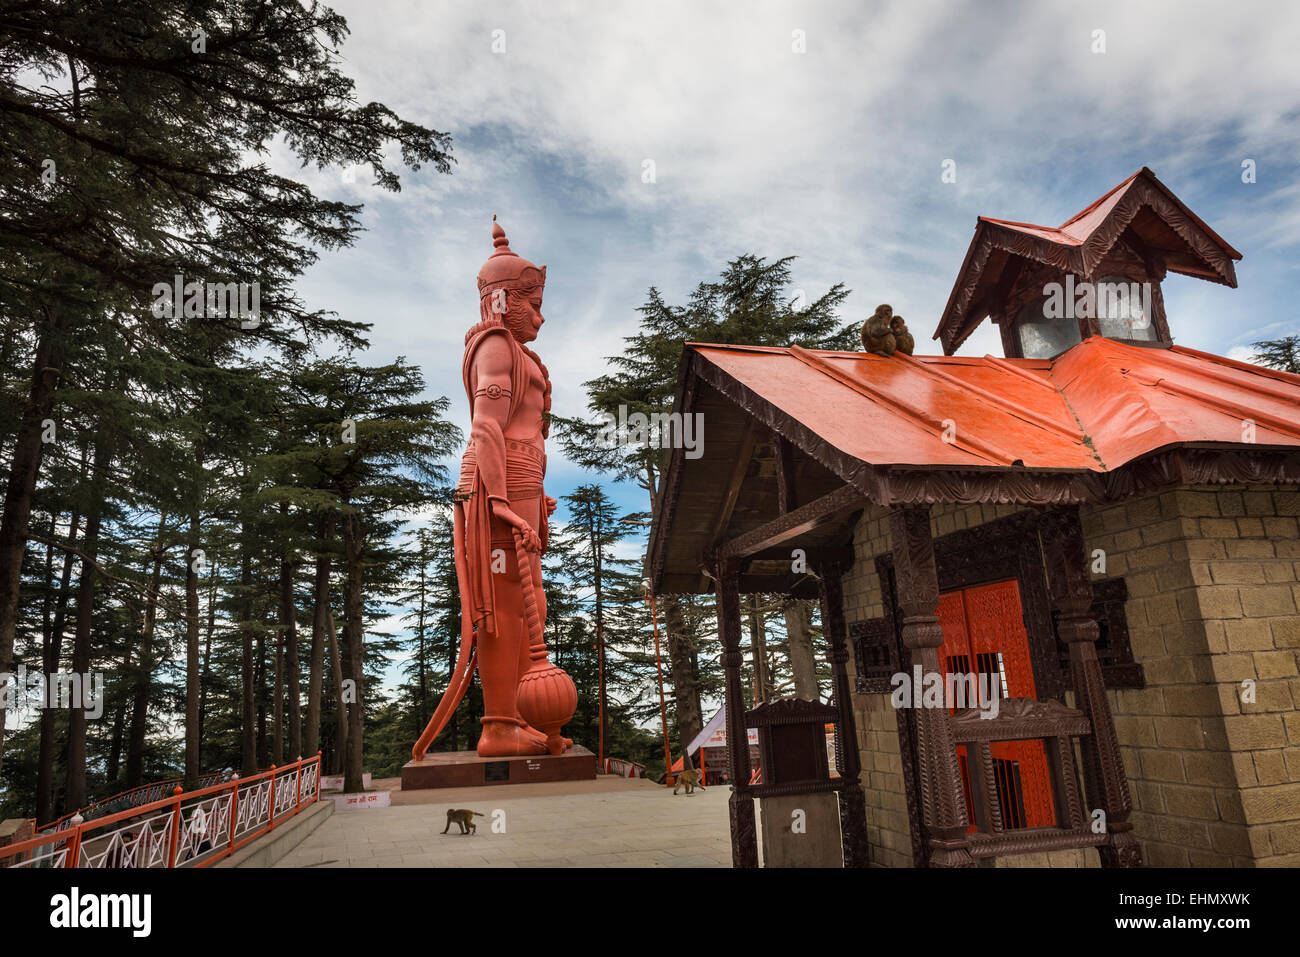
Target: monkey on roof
901, 336
885, 333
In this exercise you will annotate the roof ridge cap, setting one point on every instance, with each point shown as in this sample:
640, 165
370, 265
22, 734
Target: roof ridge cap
1083, 431
1101, 345
1103, 197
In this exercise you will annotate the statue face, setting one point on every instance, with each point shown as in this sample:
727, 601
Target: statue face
524, 317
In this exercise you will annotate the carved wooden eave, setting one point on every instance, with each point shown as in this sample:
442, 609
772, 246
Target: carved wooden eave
791, 711
1172, 237
834, 485
1204, 466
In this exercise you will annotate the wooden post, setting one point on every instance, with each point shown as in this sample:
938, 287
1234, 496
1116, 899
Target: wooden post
234, 813
853, 804
744, 836
1070, 585
175, 828
943, 800
74, 842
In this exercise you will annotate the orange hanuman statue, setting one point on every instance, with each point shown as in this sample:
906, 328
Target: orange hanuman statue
500, 525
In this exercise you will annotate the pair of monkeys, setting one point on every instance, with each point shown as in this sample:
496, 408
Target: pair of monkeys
885, 333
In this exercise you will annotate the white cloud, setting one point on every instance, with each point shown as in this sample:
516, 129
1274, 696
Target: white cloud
832, 155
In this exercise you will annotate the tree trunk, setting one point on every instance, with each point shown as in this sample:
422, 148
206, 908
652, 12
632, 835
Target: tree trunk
277, 703
205, 676
51, 654
680, 646
289, 625
144, 668
758, 647
192, 769
354, 653
247, 736
603, 730
803, 661
115, 746
319, 626
421, 669
259, 694
24, 465
75, 792
339, 764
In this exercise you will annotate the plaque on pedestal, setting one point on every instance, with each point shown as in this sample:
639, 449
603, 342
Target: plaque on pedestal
463, 769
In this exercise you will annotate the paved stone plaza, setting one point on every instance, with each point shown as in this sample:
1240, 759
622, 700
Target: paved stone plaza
609, 822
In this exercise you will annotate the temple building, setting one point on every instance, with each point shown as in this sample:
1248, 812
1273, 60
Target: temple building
1099, 526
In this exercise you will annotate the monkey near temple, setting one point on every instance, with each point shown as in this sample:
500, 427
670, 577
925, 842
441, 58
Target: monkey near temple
885, 333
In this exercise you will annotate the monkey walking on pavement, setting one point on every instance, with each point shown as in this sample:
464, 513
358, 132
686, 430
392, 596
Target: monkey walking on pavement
464, 818
690, 780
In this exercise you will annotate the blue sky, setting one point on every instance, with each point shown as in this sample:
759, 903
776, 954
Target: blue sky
833, 155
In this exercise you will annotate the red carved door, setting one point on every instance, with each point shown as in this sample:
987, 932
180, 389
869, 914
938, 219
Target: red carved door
984, 635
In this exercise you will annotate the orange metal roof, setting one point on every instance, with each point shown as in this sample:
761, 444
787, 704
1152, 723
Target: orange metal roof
1095, 407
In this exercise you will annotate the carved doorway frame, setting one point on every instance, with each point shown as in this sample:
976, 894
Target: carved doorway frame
1003, 549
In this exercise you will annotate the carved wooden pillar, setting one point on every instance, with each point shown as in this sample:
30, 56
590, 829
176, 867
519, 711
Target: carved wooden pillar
1070, 586
744, 837
943, 801
853, 804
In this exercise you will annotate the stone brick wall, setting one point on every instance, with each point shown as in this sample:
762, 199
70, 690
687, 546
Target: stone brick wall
1213, 580
1213, 602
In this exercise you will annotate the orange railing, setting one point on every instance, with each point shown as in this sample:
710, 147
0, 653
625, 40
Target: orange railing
188, 829
624, 769
134, 797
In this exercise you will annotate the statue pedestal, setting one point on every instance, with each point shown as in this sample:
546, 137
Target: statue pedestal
465, 769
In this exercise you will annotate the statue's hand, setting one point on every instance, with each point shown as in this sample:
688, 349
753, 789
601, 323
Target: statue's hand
550, 506
504, 512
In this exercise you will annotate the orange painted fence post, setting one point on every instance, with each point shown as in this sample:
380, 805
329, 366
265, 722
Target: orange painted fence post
74, 842
175, 828
270, 810
234, 813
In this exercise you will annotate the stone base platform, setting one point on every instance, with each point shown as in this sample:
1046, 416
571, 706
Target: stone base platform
460, 769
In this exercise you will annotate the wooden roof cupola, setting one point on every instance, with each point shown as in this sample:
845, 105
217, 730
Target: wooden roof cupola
1098, 273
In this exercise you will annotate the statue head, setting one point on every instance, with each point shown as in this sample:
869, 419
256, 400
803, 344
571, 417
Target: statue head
510, 289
